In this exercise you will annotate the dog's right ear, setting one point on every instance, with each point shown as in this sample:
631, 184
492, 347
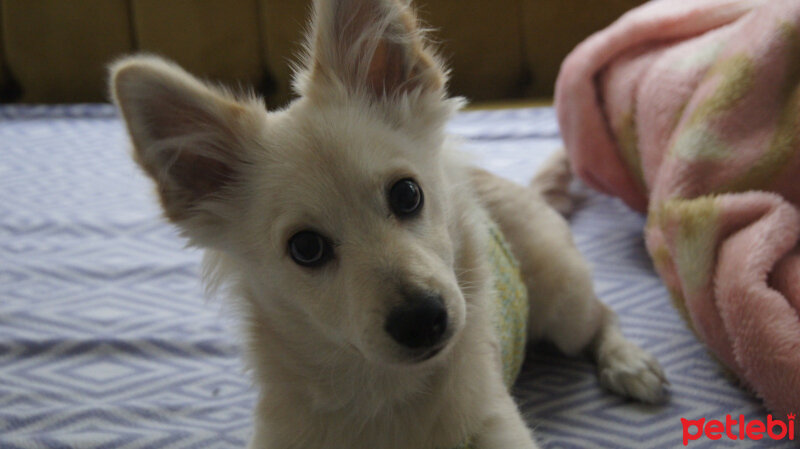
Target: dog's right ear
190, 138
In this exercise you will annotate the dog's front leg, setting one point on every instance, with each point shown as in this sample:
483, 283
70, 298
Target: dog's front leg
503, 427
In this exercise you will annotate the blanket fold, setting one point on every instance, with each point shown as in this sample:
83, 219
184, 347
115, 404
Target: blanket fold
690, 112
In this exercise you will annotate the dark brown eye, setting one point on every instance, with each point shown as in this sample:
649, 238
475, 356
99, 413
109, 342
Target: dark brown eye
309, 249
405, 198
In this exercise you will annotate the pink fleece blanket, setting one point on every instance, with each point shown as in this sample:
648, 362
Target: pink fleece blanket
690, 111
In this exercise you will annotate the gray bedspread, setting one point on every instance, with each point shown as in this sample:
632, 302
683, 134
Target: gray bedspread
106, 341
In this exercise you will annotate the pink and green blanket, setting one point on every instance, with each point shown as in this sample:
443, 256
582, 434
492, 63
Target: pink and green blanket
690, 111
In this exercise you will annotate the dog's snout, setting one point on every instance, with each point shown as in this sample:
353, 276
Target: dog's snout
420, 322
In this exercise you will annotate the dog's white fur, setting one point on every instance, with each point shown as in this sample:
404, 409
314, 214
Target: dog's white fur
240, 182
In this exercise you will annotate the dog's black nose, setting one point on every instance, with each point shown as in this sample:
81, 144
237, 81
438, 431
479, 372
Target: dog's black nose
420, 322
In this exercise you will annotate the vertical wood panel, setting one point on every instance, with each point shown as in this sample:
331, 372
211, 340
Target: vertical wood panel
3, 64
282, 25
481, 42
554, 27
57, 50
213, 39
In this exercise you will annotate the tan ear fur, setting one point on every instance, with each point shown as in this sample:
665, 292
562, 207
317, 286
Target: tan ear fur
187, 136
371, 46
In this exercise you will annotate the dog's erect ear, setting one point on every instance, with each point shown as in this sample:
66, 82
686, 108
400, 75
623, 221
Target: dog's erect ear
370, 46
187, 136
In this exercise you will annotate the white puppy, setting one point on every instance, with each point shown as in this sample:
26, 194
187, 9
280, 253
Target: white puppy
354, 242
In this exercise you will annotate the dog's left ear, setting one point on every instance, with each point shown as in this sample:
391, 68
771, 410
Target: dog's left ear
374, 47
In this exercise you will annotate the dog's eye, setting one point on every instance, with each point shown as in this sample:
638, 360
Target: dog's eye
309, 249
405, 198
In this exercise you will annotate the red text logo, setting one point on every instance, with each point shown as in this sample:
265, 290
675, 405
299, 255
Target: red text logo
738, 429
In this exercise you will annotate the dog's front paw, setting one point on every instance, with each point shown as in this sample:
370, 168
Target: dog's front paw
630, 371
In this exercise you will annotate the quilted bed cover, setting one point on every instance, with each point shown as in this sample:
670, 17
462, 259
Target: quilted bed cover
106, 340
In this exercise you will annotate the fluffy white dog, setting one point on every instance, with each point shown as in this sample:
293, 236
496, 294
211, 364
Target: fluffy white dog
354, 242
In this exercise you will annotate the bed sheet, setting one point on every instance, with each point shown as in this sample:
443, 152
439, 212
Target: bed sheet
106, 341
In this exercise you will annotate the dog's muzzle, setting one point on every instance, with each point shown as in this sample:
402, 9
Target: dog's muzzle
419, 323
